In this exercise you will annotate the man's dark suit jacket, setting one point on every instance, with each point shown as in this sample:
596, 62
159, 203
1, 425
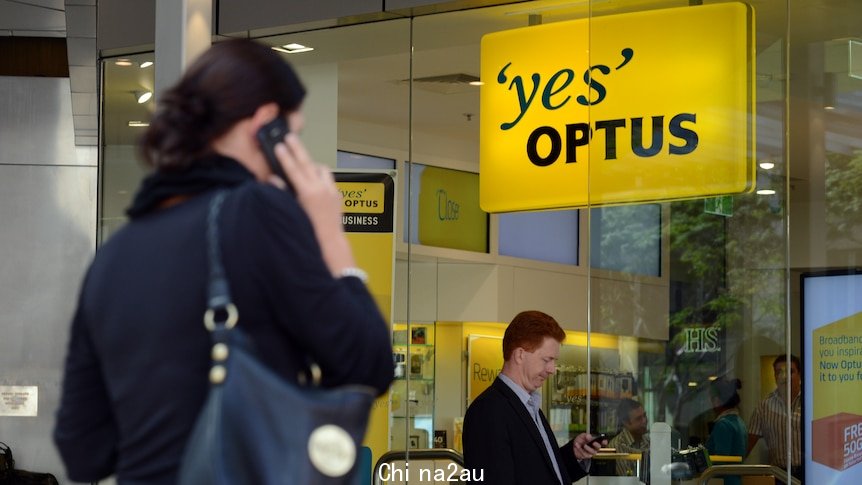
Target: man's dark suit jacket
501, 439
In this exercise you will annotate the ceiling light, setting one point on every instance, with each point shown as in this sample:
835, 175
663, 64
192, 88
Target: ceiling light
137, 124
475, 83
293, 48
767, 165
712, 378
146, 64
123, 62
143, 96
692, 384
765, 192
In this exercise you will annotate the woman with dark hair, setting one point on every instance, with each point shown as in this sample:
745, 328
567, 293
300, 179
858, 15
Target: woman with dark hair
729, 435
138, 358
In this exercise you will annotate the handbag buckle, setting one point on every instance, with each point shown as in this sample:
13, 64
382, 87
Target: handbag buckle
230, 313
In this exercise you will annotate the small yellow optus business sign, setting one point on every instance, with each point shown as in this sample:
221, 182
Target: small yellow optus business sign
362, 197
635, 107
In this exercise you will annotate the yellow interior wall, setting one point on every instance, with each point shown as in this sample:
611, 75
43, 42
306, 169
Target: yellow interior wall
493, 329
373, 253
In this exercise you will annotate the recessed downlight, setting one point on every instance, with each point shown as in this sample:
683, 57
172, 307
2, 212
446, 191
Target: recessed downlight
293, 48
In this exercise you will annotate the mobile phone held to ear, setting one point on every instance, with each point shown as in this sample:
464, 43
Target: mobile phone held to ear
270, 135
597, 439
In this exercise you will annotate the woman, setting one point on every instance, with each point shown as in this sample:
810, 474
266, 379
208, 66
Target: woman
138, 358
729, 435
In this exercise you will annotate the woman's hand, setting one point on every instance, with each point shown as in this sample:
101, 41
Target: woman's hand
316, 192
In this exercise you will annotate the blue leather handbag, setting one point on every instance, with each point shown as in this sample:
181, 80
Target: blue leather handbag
256, 427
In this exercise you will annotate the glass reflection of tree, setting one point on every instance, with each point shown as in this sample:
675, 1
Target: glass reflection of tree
627, 240
699, 296
726, 272
844, 200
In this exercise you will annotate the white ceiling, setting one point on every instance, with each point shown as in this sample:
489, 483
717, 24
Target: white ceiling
33, 18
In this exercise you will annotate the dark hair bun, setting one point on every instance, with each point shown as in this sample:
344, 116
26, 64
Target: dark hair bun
225, 85
184, 110
177, 130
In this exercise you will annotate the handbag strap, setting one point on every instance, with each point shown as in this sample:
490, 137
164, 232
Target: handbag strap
219, 303
221, 314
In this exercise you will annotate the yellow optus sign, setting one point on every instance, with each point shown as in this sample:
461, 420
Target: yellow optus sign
635, 107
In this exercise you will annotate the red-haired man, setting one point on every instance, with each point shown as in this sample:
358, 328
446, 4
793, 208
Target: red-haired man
506, 436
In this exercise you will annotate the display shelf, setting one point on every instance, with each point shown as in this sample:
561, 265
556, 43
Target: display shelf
570, 391
412, 391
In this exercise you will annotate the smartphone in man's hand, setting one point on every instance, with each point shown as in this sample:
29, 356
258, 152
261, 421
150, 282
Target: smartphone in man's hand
598, 438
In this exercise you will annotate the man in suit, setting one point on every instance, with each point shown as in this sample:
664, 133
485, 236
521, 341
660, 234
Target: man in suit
506, 436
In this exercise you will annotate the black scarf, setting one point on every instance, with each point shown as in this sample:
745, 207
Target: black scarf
211, 171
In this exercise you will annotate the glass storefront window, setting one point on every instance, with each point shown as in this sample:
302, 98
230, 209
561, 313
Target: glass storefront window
679, 293
127, 103
626, 239
546, 236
